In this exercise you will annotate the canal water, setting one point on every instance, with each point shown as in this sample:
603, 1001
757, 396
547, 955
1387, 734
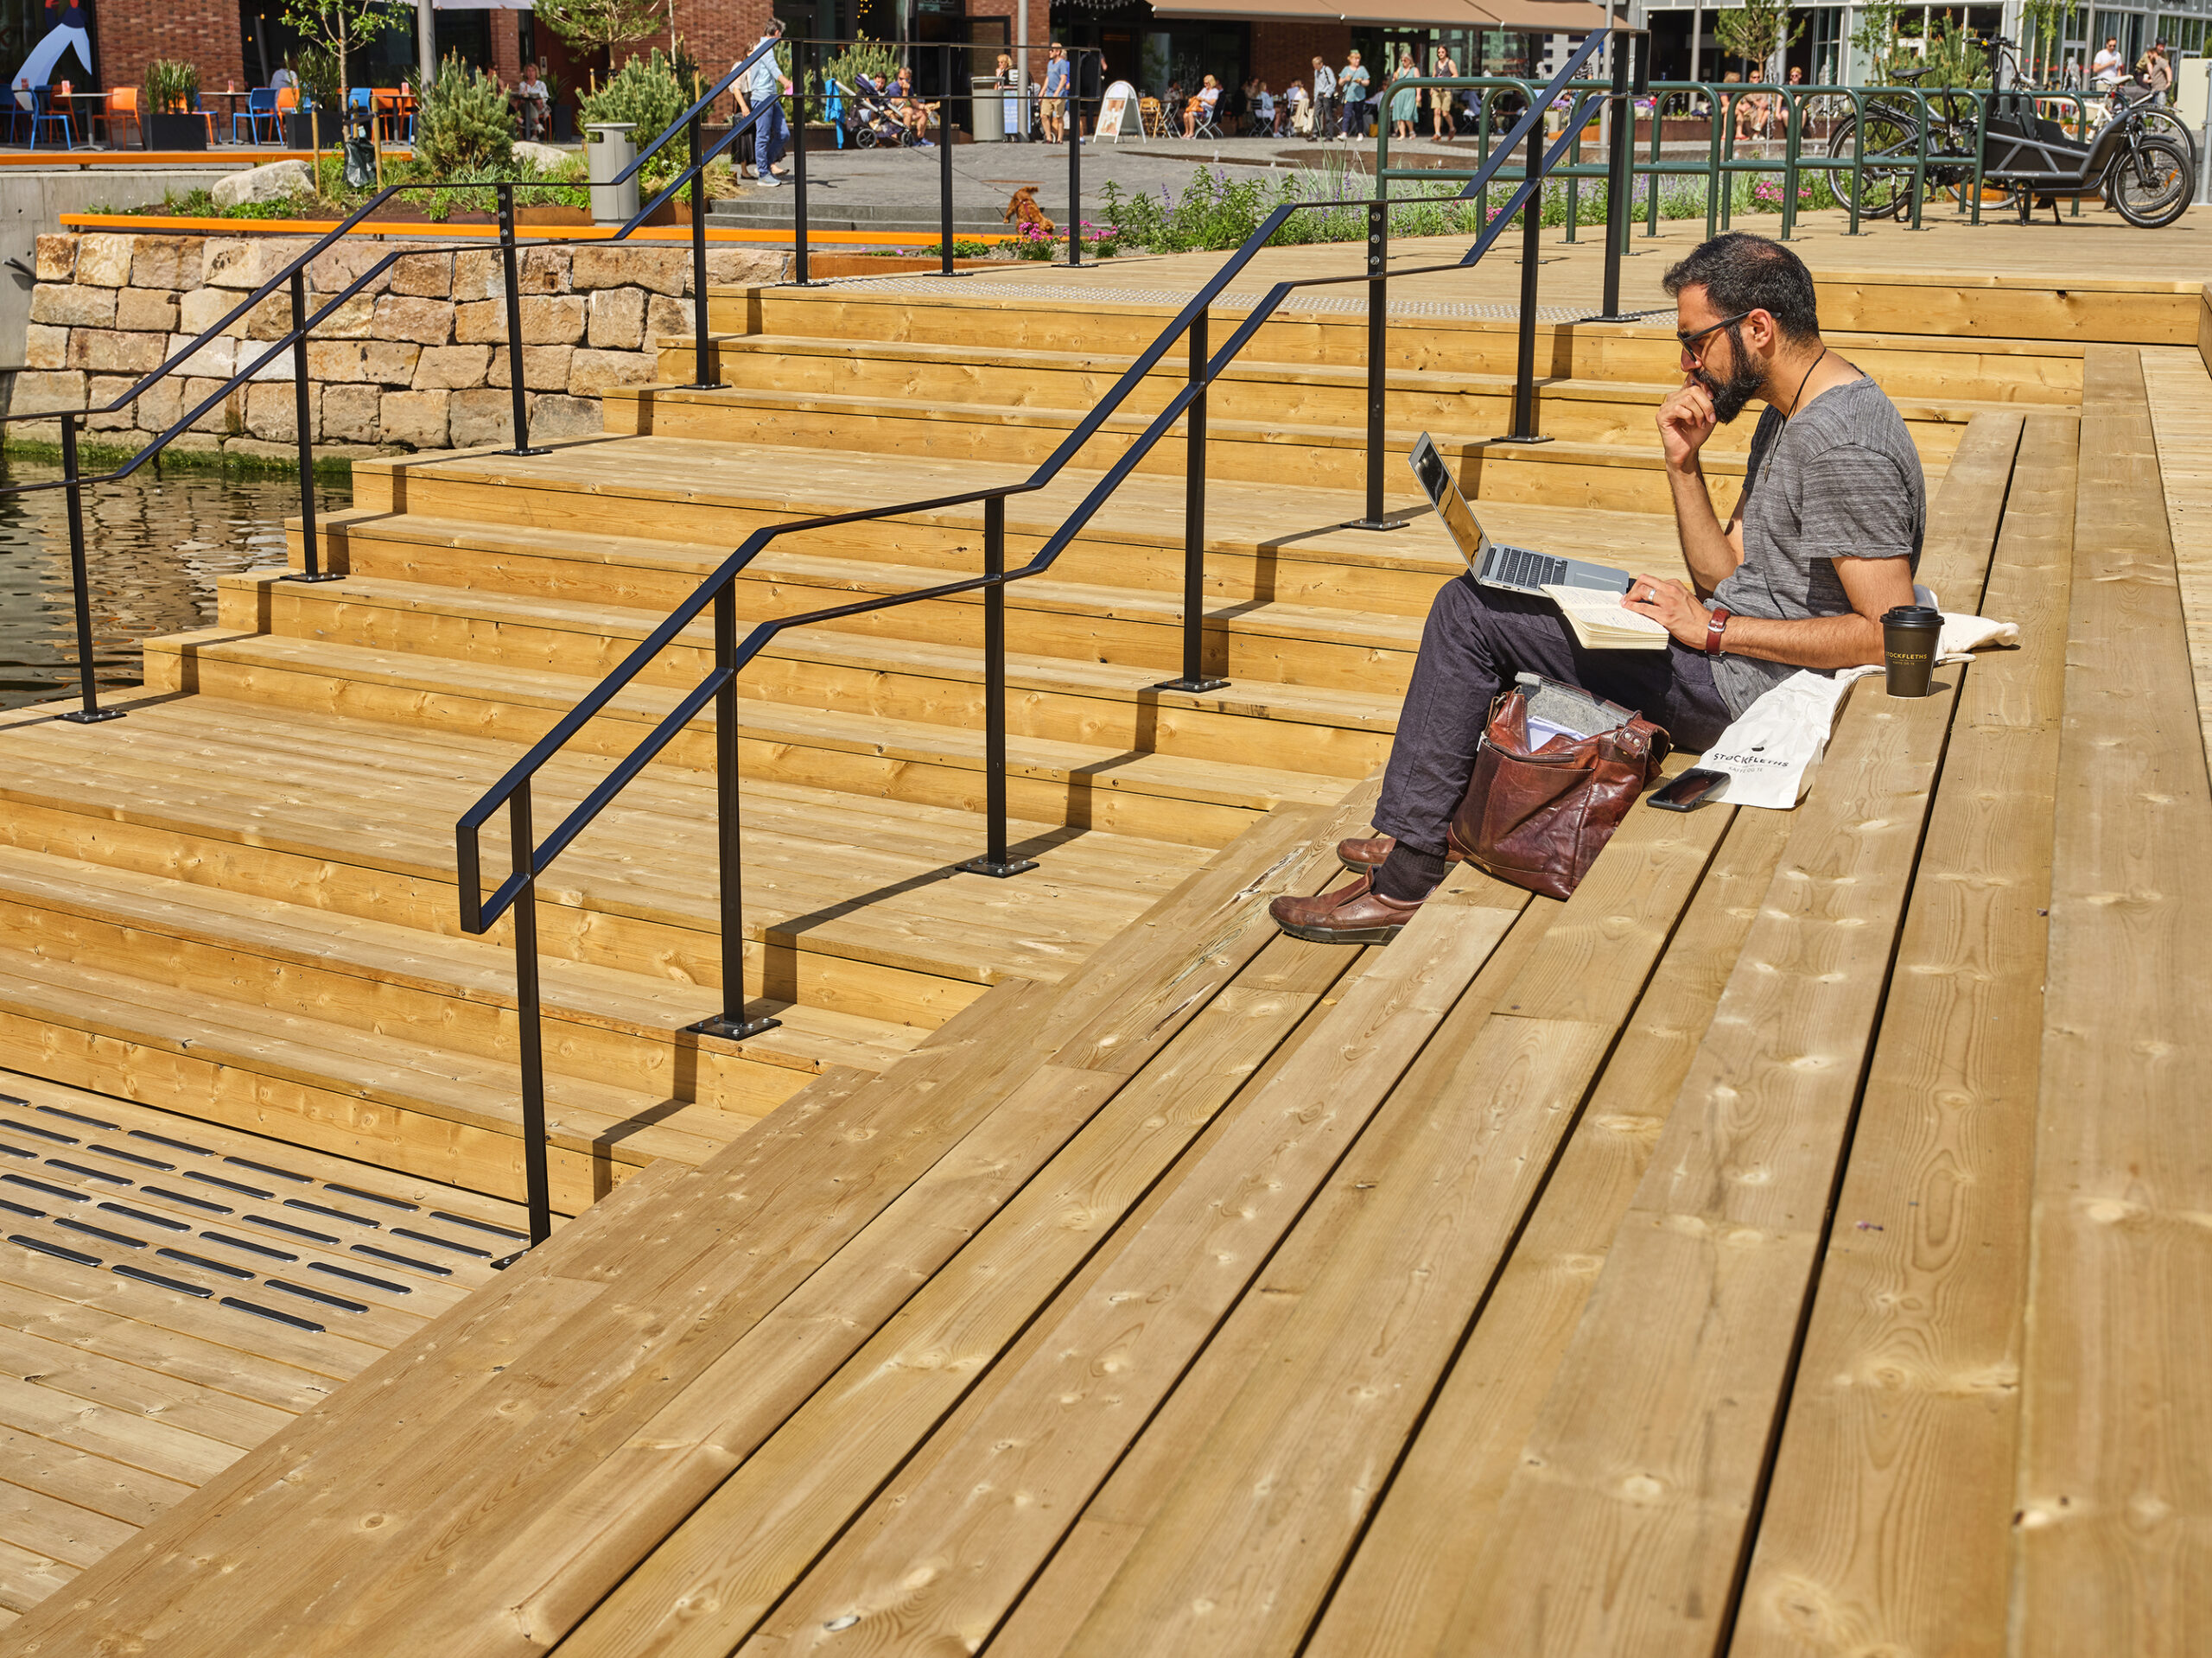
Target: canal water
154, 545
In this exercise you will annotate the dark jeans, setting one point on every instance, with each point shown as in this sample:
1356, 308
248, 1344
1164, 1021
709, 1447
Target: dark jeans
1355, 121
1477, 638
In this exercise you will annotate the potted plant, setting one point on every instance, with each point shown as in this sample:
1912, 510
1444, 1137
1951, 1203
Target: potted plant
171, 114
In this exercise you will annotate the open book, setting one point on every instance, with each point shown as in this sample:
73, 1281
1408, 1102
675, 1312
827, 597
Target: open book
1600, 623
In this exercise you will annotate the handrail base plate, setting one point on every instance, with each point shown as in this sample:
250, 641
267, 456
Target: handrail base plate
996, 871
733, 1030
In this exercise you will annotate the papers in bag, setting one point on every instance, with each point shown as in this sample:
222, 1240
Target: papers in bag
1769, 752
1600, 624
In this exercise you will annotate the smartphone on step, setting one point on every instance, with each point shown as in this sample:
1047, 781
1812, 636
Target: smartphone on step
1690, 791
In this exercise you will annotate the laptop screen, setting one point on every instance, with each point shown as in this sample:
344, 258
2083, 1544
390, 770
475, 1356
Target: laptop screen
1437, 483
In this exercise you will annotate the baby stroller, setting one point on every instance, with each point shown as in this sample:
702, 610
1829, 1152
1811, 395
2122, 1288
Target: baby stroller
847, 113
882, 119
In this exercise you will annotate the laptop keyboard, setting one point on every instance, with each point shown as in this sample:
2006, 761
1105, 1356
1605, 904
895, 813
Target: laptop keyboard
1518, 567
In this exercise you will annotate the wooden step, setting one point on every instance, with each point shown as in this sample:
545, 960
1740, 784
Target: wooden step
1046, 616
1265, 643
847, 901
534, 656
1579, 411
1617, 478
1279, 541
417, 986
1941, 359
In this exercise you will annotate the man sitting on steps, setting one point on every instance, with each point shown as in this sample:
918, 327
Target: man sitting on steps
1824, 539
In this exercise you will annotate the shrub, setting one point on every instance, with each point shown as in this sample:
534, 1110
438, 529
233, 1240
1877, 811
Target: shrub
646, 94
171, 86
462, 124
318, 72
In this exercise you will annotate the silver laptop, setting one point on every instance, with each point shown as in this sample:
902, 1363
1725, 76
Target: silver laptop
1516, 569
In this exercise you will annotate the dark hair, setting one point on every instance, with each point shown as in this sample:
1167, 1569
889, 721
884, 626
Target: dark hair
1743, 272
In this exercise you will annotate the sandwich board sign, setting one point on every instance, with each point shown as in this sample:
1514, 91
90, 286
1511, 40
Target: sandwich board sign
1120, 97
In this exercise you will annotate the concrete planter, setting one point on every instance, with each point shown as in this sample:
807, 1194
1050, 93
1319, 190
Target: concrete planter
176, 132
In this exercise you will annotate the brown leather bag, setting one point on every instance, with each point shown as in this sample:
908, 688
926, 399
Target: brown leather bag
1538, 816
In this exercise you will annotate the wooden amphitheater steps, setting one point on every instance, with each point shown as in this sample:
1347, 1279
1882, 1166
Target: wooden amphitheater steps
283, 945
172, 1293
1280, 394
1261, 1297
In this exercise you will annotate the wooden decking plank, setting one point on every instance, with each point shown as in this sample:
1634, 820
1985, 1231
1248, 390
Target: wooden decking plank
563, 1548
1000, 1498
115, 1385
2180, 390
217, 1141
1385, 1272
86, 1480
1397, 1592
2112, 1548
905, 1121
60, 1531
1624, 1525
253, 1376
131, 1599
1889, 1514
329, 1353
27, 1577
127, 1436
398, 1315
763, 1526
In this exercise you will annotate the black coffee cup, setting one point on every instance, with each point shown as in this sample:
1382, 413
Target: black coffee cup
1909, 637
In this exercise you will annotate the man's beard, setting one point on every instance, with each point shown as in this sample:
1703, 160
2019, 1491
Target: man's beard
1745, 376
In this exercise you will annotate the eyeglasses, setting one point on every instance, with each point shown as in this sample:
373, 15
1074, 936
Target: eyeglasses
1689, 340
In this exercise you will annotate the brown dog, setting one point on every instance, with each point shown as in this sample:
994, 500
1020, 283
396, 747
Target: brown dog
1022, 209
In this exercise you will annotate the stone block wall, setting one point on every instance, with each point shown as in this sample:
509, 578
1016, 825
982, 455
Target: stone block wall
417, 360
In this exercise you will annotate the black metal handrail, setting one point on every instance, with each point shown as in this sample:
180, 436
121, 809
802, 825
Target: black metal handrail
293, 275
530, 858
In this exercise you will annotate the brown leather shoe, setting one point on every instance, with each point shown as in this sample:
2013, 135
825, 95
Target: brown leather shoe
1361, 857
1351, 915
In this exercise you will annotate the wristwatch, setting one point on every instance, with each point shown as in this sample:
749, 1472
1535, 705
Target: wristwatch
1715, 625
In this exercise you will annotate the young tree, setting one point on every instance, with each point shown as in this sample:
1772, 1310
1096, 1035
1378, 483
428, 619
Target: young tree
1877, 36
601, 25
2047, 28
342, 26
1755, 32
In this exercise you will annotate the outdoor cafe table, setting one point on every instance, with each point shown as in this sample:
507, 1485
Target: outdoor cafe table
226, 121
83, 108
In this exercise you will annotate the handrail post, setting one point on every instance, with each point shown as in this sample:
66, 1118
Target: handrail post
703, 348
1378, 324
510, 266
994, 861
1071, 111
1619, 208
1792, 140
731, 1022
302, 420
945, 160
810, 64
536, 1183
1524, 374
1194, 676
91, 712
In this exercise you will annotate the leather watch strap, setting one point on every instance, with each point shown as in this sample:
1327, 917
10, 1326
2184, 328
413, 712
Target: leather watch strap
1715, 625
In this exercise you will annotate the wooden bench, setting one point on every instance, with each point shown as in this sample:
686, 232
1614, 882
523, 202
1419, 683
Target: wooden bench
1504, 1290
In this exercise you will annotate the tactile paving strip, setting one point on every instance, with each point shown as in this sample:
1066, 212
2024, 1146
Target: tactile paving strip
157, 1209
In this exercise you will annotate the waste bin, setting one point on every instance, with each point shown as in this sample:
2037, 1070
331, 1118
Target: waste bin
608, 150
987, 125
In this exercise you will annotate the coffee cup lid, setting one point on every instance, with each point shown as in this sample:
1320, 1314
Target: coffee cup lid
1913, 616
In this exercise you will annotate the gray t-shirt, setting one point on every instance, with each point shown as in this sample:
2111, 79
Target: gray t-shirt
1840, 480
